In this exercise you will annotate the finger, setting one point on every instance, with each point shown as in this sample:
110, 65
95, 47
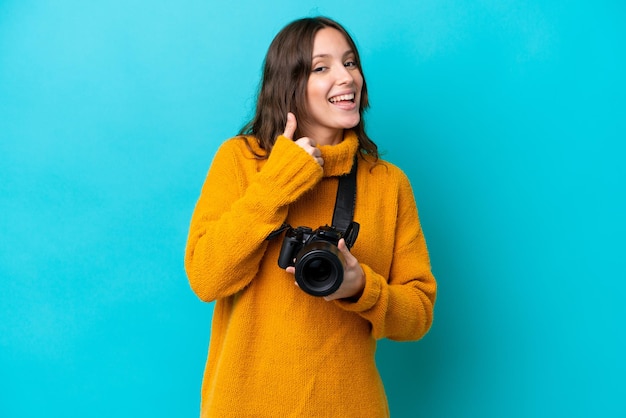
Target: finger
308, 143
342, 246
290, 126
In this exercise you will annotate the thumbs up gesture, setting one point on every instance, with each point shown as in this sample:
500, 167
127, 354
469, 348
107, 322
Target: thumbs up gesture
306, 143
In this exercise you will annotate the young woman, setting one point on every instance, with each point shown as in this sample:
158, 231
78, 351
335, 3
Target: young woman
275, 350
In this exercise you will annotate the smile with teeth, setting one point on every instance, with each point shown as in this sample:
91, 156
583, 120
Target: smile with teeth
342, 98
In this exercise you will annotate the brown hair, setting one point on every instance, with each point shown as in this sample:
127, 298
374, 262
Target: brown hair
286, 71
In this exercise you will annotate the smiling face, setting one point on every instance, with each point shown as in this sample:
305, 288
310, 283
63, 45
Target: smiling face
333, 89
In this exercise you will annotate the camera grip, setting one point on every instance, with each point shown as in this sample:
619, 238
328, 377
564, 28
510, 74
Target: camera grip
288, 251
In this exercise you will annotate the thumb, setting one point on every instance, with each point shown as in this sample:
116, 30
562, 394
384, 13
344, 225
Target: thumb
290, 126
341, 245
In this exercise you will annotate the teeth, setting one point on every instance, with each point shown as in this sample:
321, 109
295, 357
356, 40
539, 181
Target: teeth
341, 98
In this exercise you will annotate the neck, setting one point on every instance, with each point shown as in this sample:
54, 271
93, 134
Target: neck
338, 158
324, 136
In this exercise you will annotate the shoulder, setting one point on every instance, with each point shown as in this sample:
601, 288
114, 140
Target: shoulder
382, 169
385, 178
235, 157
239, 151
244, 147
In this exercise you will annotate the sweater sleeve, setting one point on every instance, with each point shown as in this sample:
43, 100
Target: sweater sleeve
238, 208
401, 306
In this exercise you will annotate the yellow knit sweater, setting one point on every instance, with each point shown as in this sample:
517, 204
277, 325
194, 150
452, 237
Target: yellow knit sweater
276, 351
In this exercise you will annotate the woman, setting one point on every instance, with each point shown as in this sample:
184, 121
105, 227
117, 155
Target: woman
276, 350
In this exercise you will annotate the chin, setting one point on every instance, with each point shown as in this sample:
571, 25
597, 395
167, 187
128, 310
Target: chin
347, 121
352, 123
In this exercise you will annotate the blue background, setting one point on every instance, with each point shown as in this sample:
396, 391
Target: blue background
508, 117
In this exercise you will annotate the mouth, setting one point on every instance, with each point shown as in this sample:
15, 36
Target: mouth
342, 98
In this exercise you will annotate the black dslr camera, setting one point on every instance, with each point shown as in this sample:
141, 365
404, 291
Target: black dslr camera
319, 263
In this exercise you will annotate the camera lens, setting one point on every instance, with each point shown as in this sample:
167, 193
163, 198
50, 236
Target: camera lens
319, 268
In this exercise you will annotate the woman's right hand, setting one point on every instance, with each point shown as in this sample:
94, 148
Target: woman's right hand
306, 143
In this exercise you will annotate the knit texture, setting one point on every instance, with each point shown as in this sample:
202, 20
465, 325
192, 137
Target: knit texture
276, 351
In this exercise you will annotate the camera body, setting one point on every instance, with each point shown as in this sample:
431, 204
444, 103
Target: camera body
319, 263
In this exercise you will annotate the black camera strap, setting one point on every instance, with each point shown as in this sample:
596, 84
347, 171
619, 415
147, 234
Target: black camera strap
344, 207
346, 199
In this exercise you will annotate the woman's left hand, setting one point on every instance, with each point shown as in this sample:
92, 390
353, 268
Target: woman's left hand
353, 276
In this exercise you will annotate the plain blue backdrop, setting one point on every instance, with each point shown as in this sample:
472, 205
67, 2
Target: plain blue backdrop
508, 116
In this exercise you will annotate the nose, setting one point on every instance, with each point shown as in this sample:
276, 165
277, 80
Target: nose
344, 76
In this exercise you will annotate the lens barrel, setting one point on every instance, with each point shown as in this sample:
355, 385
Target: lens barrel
319, 268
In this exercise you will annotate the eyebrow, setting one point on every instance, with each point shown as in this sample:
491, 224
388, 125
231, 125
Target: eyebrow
345, 54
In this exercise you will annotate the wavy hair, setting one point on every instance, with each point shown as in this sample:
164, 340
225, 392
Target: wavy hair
283, 88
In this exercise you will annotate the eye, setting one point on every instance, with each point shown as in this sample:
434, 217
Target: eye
350, 64
319, 69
